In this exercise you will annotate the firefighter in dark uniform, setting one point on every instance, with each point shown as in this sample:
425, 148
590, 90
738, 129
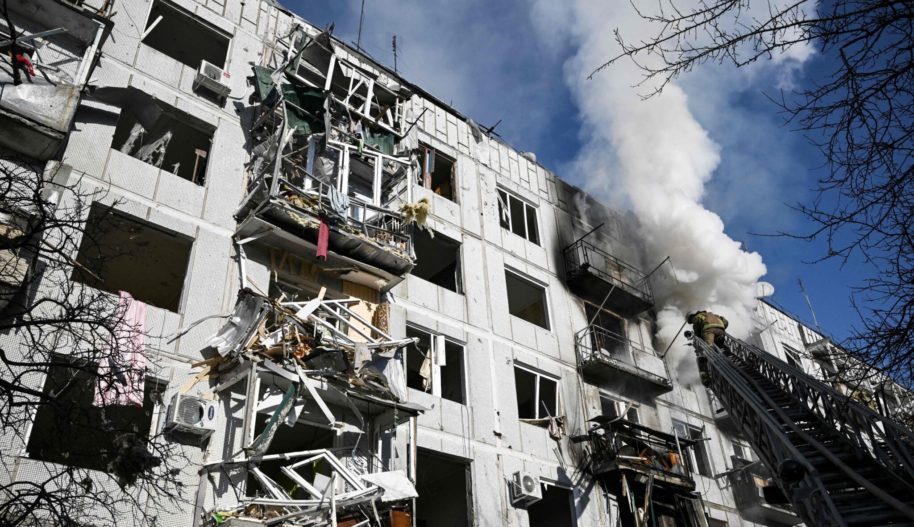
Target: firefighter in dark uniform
710, 326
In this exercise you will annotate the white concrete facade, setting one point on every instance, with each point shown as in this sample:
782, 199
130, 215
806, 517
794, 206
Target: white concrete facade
486, 432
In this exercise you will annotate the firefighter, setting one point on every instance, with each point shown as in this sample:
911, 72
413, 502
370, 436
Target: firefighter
709, 325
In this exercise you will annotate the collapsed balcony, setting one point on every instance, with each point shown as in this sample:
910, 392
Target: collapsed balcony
646, 469
596, 275
329, 174
757, 497
607, 356
48, 57
321, 380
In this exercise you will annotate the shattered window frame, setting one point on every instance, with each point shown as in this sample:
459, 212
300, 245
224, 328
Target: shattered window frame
431, 343
698, 455
150, 27
617, 406
430, 157
443, 242
539, 411
67, 374
509, 206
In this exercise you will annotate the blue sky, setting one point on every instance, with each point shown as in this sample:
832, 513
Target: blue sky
508, 60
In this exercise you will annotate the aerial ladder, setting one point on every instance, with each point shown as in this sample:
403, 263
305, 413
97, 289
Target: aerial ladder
837, 461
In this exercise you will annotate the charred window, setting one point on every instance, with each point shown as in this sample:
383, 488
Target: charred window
537, 395
184, 37
437, 260
73, 431
164, 137
121, 253
439, 173
698, 457
526, 299
556, 509
518, 216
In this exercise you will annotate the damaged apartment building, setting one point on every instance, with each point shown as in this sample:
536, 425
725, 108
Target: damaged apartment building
363, 309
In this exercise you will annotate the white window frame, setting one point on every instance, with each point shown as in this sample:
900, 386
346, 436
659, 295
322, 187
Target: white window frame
694, 466
438, 349
535, 283
622, 404
536, 391
529, 208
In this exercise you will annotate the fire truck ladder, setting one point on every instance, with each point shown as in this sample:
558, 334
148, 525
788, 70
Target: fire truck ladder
837, 461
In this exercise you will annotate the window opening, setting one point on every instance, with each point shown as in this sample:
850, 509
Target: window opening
165, 137
184, 37
121, 253
614, 408
537, 395
699, 459
443, 485
435, 365
607, 333
526, 300
556, 509
437, 260
518, 216
73, 431
439, 173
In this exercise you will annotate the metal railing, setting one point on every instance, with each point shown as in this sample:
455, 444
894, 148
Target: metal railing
809, 495
888, 443
598, 344
583, 255
641, 448
307, 194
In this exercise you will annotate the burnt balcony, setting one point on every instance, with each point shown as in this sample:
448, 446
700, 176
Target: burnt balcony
640, 451
757, 497
56, 47
592, 273
608, 357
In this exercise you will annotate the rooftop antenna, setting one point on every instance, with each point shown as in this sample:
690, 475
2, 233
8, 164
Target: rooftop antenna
358, 42
809, 303
393, 43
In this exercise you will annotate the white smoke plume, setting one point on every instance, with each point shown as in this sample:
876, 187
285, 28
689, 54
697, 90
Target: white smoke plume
657, 155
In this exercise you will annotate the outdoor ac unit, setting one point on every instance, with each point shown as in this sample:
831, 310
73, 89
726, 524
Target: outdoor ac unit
212, 78
192, 414
525, 489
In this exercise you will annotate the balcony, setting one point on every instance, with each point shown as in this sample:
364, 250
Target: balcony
641, 451
326, 151
608, 357
60, 42
757, 497
592, 273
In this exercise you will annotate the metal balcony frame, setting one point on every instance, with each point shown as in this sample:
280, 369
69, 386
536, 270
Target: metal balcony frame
621, 433
587, 354
578, 257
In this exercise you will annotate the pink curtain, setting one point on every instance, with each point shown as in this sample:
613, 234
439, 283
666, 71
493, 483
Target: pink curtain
323, 240
122, 373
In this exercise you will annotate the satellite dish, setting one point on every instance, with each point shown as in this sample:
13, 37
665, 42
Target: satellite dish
763, 289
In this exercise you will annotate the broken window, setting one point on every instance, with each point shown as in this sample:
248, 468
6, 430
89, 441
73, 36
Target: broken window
439, 173
607, 331
437, 260
556, 509
184, 37
537, 395
287, 439
526, 299
435, 365
698, 458
73, 431
164, 137
442, 483
121, 253
615, 408
517, 216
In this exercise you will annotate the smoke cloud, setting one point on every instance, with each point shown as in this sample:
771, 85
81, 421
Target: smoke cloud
653, 157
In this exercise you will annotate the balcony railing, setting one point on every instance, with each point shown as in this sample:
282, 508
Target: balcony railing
607, 356
592, 273
757, 498
637, 448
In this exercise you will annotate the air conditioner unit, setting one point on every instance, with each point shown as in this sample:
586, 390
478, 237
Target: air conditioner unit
212, 78
525, 489
192, 414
